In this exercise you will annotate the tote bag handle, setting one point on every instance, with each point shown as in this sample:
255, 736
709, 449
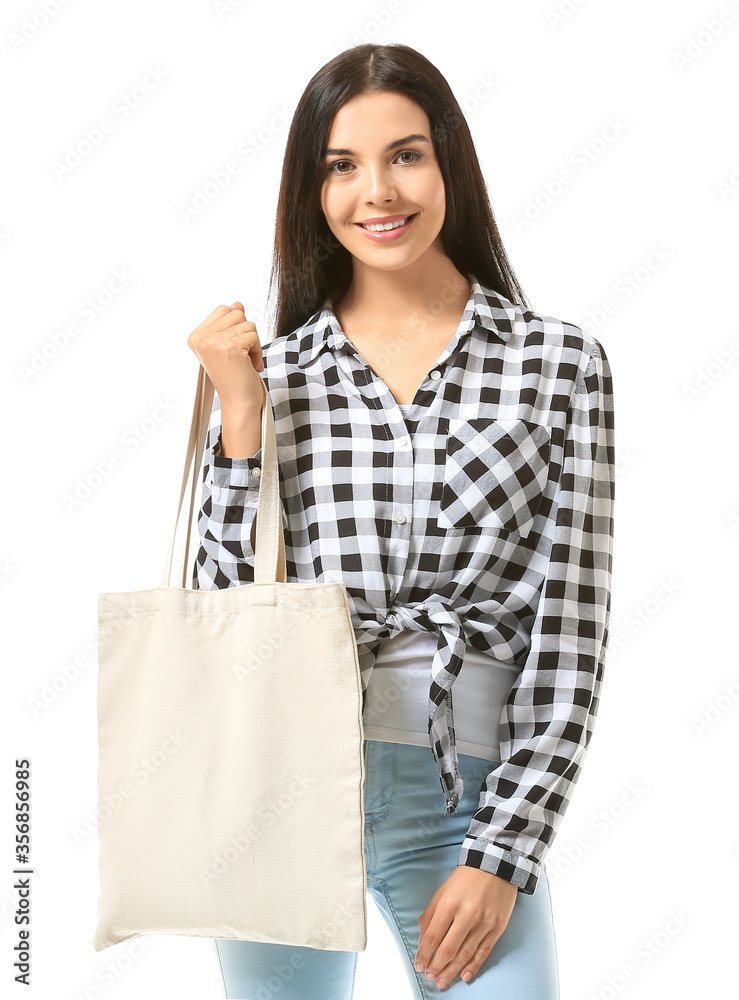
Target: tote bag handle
269, 562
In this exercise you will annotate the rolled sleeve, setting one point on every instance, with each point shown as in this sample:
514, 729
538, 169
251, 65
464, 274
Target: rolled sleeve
234, 473
230, 498
548, 719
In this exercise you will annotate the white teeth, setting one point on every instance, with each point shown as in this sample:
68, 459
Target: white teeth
380, 227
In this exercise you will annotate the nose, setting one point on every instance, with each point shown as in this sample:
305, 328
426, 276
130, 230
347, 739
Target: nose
379, 185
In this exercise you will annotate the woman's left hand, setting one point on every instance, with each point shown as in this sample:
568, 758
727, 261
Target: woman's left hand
466, 916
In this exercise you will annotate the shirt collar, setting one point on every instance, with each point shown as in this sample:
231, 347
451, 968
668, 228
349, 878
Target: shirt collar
485, 308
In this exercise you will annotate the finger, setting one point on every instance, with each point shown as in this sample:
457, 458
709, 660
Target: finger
434, 937
256, 358
237, 305
218, 311
230, 319
469, 960
423, 922
428, 914
239, 329
255, 350
447, 954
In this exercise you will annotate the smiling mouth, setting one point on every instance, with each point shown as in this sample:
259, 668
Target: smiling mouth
388, 228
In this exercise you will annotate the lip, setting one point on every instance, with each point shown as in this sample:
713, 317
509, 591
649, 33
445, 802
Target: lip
384, 218
389, 234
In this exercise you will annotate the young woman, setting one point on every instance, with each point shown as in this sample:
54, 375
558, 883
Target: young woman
449, 454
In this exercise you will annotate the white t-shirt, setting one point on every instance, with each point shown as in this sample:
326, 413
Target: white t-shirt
396, 702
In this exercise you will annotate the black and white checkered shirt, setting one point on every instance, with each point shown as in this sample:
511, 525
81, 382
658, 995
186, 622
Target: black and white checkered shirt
491, 526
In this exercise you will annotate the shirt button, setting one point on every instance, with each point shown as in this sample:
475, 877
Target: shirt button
401, 518
256, 471
435, 374
403, 441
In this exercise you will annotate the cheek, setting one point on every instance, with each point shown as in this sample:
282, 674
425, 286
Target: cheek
439, 197
430, 193
336, 206
325, 200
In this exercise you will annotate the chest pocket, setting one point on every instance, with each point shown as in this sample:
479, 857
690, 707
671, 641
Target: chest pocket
495, 474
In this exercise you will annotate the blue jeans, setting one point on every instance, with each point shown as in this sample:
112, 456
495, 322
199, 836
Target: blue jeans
411, 846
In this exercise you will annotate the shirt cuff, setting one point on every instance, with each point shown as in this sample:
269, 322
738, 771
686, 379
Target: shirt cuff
506, 862
241, 473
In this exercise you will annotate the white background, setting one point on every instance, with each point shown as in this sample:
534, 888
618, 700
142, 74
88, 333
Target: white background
652, 829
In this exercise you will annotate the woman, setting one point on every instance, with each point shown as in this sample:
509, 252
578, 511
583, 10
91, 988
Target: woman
448, 453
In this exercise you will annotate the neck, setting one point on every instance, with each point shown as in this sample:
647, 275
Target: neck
418, 297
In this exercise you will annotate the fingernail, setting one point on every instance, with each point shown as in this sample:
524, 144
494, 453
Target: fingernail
419, 967
442, 983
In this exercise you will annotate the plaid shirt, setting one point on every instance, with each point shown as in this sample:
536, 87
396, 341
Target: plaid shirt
491, 526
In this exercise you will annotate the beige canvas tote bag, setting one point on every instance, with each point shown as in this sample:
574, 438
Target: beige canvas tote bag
230, 738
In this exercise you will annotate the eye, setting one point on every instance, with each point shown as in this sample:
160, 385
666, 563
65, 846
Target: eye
404, 152
337, 163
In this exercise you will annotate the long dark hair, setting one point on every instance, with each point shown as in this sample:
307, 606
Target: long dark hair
308, 261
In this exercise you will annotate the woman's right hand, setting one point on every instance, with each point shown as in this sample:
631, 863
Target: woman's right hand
227, 346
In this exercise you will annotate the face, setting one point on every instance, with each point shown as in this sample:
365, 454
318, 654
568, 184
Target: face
380, 162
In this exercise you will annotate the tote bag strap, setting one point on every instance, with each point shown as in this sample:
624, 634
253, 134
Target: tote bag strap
269, 562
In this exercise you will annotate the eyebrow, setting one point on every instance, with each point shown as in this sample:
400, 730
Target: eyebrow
392, 145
